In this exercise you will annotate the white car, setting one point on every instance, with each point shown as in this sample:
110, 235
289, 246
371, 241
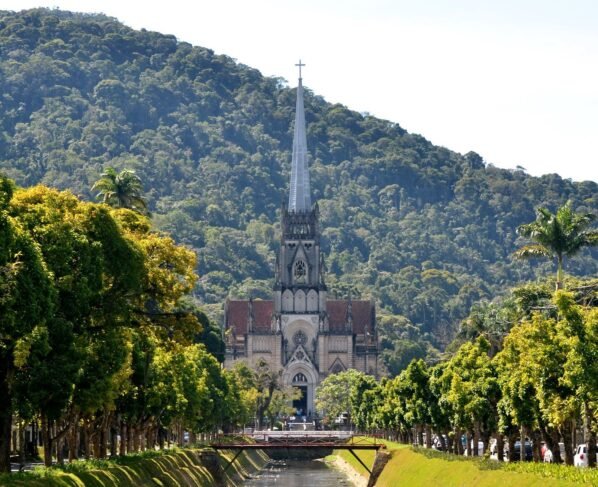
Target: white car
581, 456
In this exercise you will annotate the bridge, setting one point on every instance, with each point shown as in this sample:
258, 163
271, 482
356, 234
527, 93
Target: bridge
294, 440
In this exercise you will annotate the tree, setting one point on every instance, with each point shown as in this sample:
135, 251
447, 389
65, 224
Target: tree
578, 333
26, 302
333, 396
557, 235
121, 190
266, 382
415, 387
364, 396
472, 391
98, 274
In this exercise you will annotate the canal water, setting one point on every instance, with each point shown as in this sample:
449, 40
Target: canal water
298, 473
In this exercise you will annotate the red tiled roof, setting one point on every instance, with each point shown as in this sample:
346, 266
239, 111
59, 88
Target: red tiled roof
237, 315
262, 315
364, 315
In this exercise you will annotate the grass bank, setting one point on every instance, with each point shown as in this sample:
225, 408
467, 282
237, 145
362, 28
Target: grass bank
421, 467
171, 468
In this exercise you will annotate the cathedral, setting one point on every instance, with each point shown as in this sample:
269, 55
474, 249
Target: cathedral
300, 332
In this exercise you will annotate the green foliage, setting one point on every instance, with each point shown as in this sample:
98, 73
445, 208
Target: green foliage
471, 387
563, 234
121, 190
337, 393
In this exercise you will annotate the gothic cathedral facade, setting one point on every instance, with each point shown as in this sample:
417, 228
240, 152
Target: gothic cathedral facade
300, 332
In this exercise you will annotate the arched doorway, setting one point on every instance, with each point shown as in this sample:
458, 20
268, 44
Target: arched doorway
300, 403
303, 376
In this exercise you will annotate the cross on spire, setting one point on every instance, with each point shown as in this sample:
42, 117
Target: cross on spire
300, 65
299, 194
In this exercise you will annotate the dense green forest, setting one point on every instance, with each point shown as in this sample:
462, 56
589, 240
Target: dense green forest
425, 231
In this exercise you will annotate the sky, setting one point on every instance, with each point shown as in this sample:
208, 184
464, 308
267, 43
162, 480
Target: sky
514, 80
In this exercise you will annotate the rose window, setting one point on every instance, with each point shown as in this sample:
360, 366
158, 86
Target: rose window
299, 338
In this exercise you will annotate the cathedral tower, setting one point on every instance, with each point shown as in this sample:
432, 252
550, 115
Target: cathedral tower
299, 283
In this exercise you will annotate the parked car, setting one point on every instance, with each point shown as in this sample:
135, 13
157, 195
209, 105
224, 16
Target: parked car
529, 454
581, 456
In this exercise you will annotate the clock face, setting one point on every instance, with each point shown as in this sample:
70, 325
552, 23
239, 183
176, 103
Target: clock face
299, 338
300, 271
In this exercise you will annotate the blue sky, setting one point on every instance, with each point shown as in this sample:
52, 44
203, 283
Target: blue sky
515, 81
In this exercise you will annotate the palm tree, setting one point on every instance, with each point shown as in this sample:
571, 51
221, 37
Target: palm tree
557, 235
121, 190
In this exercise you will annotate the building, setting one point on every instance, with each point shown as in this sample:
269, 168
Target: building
300, 332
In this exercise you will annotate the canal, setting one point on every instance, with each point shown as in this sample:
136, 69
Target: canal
298, 473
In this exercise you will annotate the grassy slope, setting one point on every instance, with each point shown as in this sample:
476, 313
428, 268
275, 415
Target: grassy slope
412, 468
179, 468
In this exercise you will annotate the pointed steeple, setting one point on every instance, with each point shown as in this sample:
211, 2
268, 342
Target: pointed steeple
299, 194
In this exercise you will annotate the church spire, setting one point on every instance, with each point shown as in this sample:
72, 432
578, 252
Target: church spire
299, 194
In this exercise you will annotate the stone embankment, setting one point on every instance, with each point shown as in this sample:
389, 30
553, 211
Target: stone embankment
178, 468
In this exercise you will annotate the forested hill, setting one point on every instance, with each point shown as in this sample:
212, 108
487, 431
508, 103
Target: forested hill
422, 229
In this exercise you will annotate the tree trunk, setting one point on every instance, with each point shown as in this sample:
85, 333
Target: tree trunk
135, 434
485, 437
130, 429
35, 439
568, 441
536, 450
591, 441
103, 436
47, 441
559, 272
73, 443
476, 440
522, 444
420, 435
96, 443
59, 451
449, 442
469, 442
123, 438
180, 436
21, 443
113, 442
555, 449
86, 441
5, 413
428, 436
500, 448
161, 435
511, 440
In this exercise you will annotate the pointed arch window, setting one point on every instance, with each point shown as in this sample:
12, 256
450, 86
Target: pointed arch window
300, 271
299, 378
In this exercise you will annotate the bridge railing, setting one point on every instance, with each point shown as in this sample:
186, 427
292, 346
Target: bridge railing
298, 438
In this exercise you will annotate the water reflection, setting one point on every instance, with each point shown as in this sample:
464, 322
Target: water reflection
298, 473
